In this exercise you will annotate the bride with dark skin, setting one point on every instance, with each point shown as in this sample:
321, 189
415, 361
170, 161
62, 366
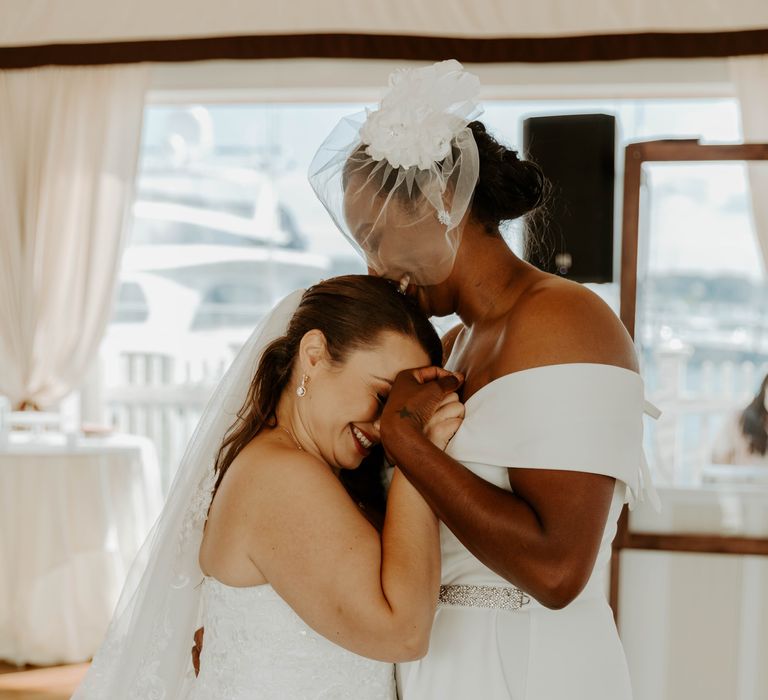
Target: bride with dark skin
542, 536
530, 488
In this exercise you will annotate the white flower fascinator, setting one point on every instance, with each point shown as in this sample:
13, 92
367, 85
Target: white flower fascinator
398, 180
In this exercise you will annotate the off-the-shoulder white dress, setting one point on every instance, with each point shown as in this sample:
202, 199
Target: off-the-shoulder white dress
575, 417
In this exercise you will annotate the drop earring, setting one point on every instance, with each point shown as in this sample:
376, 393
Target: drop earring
302, 388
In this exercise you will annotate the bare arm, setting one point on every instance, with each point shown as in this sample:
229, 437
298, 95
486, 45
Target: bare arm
374, 595
544, 536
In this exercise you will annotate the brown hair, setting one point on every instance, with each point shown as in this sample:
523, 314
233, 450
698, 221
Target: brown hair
351, 312
752, 421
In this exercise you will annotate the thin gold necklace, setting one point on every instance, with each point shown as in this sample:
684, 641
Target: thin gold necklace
293, 437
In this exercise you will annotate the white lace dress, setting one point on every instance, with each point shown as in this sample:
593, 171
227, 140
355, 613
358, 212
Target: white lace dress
578, 417
257, 648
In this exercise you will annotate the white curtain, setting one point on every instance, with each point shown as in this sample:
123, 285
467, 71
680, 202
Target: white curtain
750, 77
69, 140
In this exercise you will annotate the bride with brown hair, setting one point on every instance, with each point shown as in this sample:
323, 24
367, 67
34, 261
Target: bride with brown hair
305, 587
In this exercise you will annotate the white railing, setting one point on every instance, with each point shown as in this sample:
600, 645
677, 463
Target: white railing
162, 397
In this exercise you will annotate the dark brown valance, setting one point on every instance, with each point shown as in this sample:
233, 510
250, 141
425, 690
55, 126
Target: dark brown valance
608, 47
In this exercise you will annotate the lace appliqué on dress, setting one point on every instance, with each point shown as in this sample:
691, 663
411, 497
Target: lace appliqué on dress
256, 646
102, 664
149, 685
194, 519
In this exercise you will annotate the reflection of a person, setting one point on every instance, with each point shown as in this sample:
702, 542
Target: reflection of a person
743, 438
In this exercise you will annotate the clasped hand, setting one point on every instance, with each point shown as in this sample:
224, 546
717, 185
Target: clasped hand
423, 399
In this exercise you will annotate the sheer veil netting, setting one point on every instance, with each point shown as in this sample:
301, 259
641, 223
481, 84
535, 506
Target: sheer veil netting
146, 652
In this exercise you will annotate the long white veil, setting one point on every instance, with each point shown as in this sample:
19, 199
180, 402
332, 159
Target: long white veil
146, 654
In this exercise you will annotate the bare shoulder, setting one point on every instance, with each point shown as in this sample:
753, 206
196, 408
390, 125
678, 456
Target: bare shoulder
267, 486
277, 511
449, 340
271, 461
557, 321
269, 478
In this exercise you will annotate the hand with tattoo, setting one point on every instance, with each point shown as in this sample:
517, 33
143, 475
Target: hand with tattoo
423, 400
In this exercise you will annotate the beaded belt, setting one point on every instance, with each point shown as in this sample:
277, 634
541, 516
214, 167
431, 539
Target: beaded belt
499, 597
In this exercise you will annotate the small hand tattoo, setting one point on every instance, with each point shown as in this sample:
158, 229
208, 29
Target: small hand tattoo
405, 413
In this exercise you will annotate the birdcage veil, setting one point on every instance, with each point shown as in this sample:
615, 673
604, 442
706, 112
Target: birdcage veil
398, 180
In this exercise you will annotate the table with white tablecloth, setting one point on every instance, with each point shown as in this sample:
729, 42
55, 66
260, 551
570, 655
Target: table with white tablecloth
73, 514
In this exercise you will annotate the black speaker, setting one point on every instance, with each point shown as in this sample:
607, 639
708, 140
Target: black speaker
573, 235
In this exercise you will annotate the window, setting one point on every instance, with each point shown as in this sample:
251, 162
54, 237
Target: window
702, 319
131, 304
225, 223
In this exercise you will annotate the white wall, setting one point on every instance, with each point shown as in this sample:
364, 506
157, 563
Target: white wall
310, 80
